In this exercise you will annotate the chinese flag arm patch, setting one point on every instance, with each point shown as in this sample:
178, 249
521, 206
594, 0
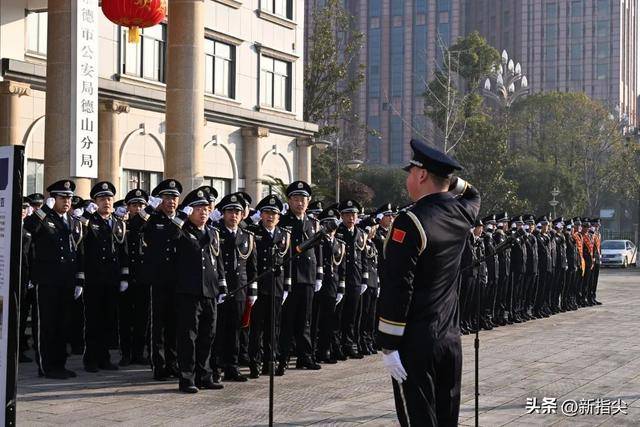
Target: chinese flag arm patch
398, 235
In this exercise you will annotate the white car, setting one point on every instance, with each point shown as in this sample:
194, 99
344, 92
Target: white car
622, 253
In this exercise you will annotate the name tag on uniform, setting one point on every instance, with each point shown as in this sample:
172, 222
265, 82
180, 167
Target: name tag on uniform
50, 224
160, 226
95, 227
258, 238
193, 237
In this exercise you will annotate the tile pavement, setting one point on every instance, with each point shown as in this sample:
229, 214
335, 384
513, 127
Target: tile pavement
591, 353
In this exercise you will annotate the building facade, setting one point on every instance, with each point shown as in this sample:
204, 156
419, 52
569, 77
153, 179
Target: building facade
585, 46
214, 98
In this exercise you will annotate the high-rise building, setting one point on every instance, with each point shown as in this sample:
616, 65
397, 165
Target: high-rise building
585, 46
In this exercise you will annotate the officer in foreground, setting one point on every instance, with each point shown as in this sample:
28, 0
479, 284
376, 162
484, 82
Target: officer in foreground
418, 312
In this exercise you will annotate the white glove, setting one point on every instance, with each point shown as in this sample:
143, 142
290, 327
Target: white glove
318, 285
285, 294
50, 202
363, 288
255, 217
154, 201
188, 210
77, 292
393, 365
78, 212
121, 211
92, 208
339, 297
252, 299
215, 215
221, 298
124, 285
285, 208
378, 292
30, 285
29, 211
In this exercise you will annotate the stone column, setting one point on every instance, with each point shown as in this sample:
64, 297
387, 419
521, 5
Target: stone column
10, 93
109, 142
304, 159
252, 160
185, 93
57, 127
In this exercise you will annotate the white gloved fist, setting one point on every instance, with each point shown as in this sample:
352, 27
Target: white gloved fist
77, 292
378, 292
30, 285
92, 208
215, 215
339, 297
29, 211
285, 294
78, 212
394, 367
252, 299
318, 285
221, 298
363, 288
124, 285
188, 210
50, 202
255, 217
154, 201
121, 211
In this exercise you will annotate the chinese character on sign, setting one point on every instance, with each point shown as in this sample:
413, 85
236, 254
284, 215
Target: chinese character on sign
87, 15
87, 160
87, 52
87, 88
87, 34
86, 124
586, 406
86, 143
619, 406
549, 405
87, 106
532, 405
87, 70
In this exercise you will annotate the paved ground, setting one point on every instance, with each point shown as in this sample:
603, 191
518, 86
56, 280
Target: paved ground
589, 354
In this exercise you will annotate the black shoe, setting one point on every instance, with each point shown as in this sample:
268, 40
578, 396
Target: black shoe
372, 349
70, 373
365, 351
56, 375
243, 361
330, 361
91, 367
108, 366
125, 361
254, 372
265, 369
597, 302
233, 374
339, 355
280, 369
307, 364
186, 387
24, 358
209, 384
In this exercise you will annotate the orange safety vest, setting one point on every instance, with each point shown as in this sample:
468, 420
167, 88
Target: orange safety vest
589, 242
578, 239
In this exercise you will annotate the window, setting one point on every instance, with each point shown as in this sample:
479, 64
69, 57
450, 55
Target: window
602, 7
575, 31
37, 32
443, 31
219, 68
374, 8
373, 71
576, 51
419, 59
35, 176
551, 32
576, 72
602, 71
147, 58
396, 144
602, 50
397, 7
576, 8
550, 73
551, 11
506, 19
550, 53
374, 142
444, 5
283, 8
275, 83
222, 185
602, 28
421, 6
397, 61
145, 180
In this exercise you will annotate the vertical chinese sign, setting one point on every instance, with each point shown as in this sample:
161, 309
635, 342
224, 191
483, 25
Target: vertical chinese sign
84, 89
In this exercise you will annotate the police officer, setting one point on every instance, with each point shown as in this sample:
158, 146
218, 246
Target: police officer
107, 273
356, 276
531, 268
27, 291
493, 269
306, 276
369, 297
35, 200
384, 215
332, 290
56, 272
504, 269
238, 254
134, 301
418, 321
594, 230
273, 250
200, 281
518, 270
159, 260
573, 266
561, 266
544, 267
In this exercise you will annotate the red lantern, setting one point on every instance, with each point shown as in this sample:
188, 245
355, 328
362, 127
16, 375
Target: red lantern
135, 14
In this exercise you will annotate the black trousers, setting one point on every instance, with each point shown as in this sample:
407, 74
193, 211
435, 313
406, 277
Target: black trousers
27, 305
133, 319
196, 326
260, 349
351, 311
467, 290
52, 302
163, 328
226, 346
503, 289
368, 317
336, 326
430, 396
315, 322
593, 288
296, 322
76, 322
326, 323
100, 299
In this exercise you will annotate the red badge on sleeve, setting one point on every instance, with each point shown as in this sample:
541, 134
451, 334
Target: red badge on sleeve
398, 235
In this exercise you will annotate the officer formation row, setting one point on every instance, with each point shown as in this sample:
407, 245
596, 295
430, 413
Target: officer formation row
190, 281
551, 266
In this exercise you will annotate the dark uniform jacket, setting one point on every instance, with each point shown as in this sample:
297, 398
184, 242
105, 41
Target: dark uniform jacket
467, 267
492, 262
532, 254
105, 249
356, 273
135, 248
56, 248
199, 261
544, 252
479, 250
504, 257
264, 243
371, 264
160, 251
26, 258
239, 259
518, 256
378, 240
573, 256
306, 267
333, 281
419, 299
561, 252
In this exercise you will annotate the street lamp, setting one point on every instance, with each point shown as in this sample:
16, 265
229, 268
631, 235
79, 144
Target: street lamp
350, 164
510, 83
555, 192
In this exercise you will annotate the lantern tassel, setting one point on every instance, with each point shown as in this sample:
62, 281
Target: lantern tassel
134, 35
